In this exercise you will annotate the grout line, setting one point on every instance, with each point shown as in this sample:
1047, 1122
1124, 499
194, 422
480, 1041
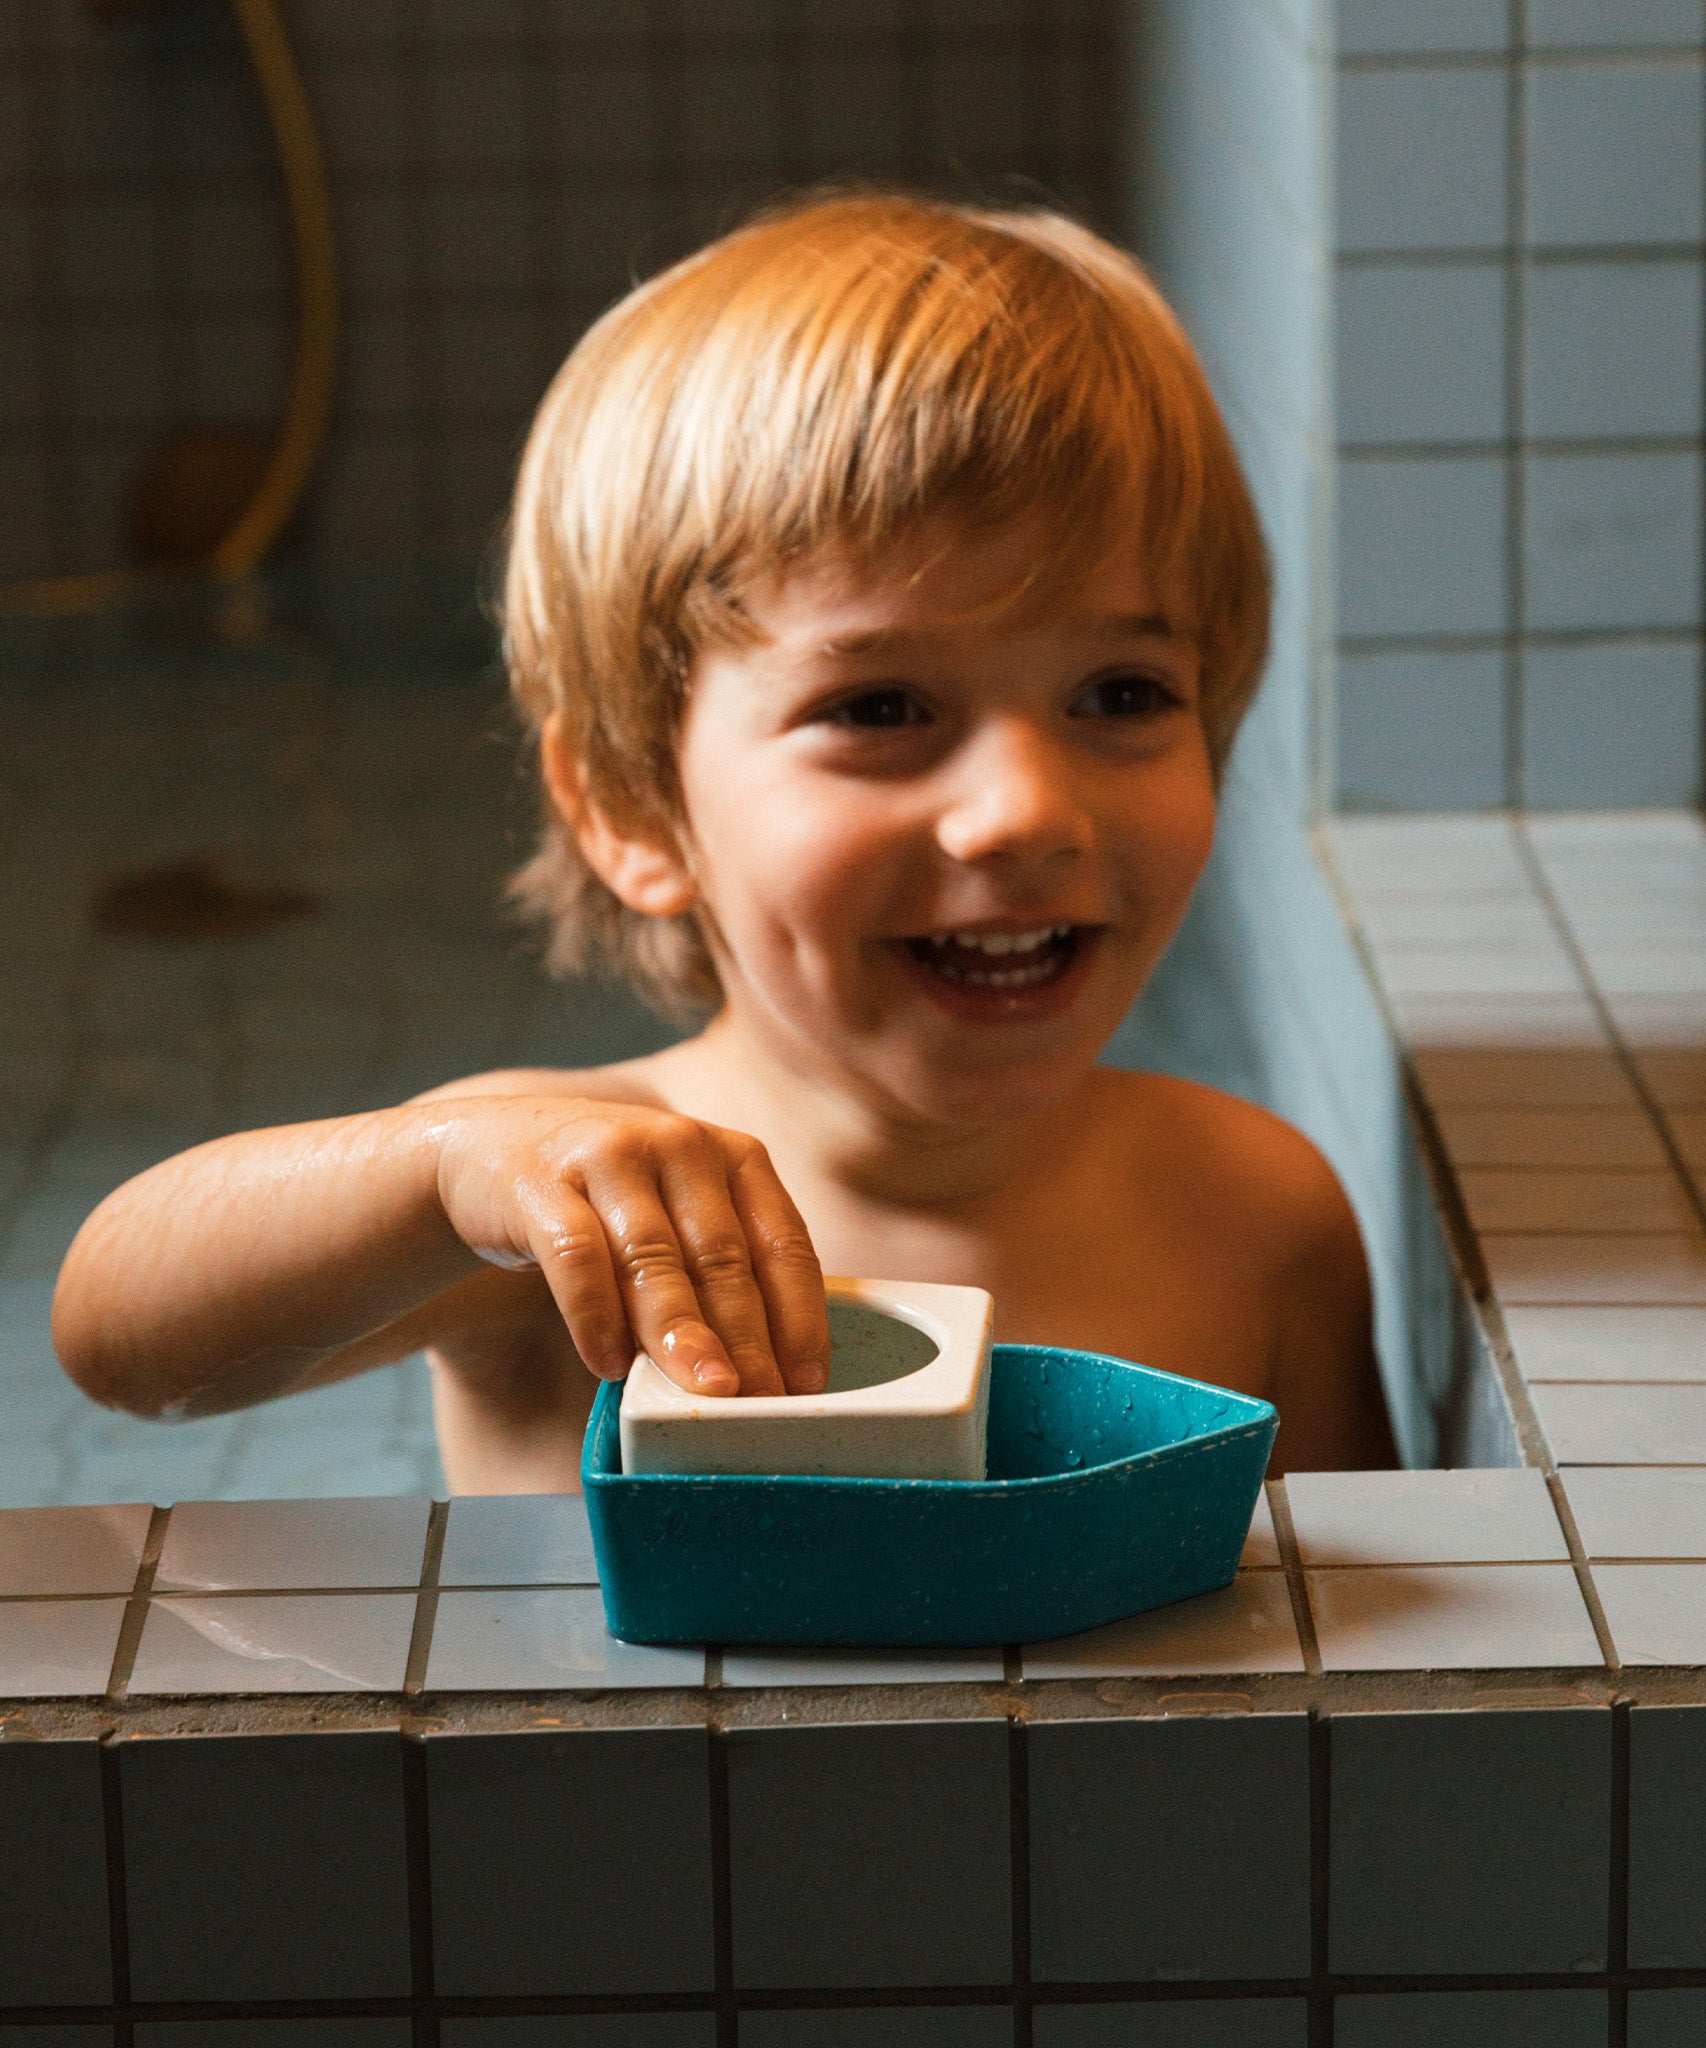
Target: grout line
1320, 1879
136, 1608
722, 1891
1019, 1859
1584, 1572
426, 1601
118, 1891
1617, 1903
417, 1851
1295, 1584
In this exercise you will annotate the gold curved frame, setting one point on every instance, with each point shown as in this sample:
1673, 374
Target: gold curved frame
308, 403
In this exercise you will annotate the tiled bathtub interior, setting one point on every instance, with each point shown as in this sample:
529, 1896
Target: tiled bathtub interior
366, 1768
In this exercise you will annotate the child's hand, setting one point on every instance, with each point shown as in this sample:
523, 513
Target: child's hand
655, 1233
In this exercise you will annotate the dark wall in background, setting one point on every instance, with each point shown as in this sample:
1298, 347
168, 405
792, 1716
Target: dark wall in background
502, 168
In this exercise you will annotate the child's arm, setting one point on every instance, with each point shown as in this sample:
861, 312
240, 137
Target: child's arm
281, 1259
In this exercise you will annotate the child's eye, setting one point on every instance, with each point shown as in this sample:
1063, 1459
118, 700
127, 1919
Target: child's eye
878, 709
1128, 696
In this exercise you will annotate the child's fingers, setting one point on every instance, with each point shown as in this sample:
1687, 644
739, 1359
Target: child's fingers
720, 1264
785, 1266
572, 1252
664, 1311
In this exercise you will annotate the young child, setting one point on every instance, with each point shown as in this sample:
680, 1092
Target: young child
885, 597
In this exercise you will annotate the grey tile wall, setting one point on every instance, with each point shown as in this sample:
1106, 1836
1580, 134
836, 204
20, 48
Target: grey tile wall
1220, 2023
496, 183
1520, 404
1667, 1813
54, 1940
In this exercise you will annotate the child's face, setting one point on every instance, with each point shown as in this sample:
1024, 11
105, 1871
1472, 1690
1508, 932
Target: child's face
941, 852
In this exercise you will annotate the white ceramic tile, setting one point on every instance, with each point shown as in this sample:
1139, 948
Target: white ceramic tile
1245, 1627
1539, 1077
1505, 1198
1656, 1612
1668, 972
543, 1641
1388, 1518
1493, 1617
1461, 972
529, 1539
285, 1642
304, 1545
1565, 1267
1573, 1137
1420, 856
55, 1649
1623, 1425
1500, 924
1505, 1024
1659, 1023
71, 1550
1261, 1546
862, 1667
1627, 1511
1609, 1343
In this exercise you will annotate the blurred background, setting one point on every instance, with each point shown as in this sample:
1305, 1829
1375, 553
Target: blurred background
1444, 262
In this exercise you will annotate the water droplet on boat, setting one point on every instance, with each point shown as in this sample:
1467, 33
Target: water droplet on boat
1075, 1459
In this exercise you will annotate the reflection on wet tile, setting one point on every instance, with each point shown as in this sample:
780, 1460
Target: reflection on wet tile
1246, 1626
285, 1642
528, 1539
1451, 1617
259, 1545
540, 1641
1261, 1546
71, 1550
56, 1649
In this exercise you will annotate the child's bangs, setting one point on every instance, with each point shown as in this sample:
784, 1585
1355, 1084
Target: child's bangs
966, 373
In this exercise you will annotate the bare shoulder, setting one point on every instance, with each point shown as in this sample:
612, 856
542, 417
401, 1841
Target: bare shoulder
1259, 1173
626, 1081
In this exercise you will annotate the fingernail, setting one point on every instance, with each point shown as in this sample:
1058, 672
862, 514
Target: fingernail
812, 1375
715, 1377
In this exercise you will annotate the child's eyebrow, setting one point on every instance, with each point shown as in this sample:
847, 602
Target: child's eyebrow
884, 639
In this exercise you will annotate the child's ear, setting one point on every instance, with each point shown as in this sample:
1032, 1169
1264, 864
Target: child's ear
640, 870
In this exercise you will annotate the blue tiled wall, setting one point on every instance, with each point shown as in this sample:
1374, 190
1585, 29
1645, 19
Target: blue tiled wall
1518, 382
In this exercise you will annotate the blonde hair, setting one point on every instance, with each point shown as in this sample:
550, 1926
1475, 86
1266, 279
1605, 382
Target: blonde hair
829, 376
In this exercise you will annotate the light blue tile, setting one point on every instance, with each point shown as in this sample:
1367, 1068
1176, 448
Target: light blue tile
1612, 349
870, 1855
303, 1545
1222, 1890
1421, 545
529, 1539
1175, 2023
543, 1639
965, 2026
1610, 726
53, 1875
1399, 28
1667, 1812
1667, 2019
1421, 160
1614, 153
220, 1829
279, 1643
1422, 730
1470, 1842
571, 1863
1471, 2019
1421, 352
1612, 542
1581, 24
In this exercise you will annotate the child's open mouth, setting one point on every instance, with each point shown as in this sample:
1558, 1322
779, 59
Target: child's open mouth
1000, 961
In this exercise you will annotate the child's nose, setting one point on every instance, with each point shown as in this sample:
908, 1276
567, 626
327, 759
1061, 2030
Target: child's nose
1014, 796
